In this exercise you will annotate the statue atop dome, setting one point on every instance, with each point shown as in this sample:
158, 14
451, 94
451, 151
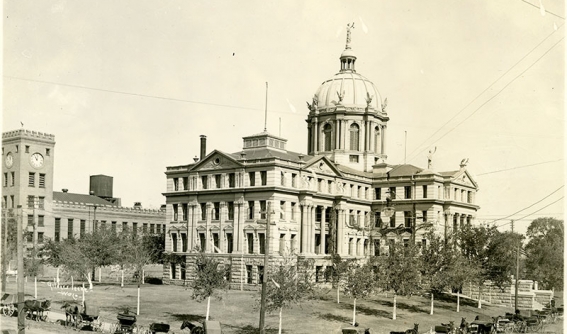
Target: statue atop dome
349, 27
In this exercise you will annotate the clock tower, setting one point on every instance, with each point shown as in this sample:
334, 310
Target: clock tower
27, 177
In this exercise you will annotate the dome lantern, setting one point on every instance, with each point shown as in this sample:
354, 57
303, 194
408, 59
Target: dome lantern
347, 57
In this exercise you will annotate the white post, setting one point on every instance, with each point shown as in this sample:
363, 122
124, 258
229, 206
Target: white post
143, 276
122, 282
57, 276
72, 283
26, 278
458, 300
431, 312
138, 306
83, 294
338, 288
35, 287
280, 328
100, 274
354, 313
394, 315
208, 307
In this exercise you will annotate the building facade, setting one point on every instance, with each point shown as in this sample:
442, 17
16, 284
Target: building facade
27, 194
340, 197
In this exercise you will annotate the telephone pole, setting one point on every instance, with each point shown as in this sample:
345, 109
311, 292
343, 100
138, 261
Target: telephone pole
20, 238
4, 245
265, 275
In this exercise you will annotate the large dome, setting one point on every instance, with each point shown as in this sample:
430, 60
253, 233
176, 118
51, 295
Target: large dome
355, 90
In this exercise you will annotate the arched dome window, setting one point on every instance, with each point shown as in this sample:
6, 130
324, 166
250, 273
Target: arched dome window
354, 137
377, 143
327, 136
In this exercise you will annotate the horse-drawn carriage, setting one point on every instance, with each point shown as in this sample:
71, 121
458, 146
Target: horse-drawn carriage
82, 317
37, 309
8, 304
126, 323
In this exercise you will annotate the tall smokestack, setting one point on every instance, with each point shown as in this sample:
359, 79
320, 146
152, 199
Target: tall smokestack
203, 146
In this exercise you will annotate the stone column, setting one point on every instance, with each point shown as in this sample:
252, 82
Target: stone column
312, 229
304, 236
323, 221
340, 231
316, 138
383, 140
344, 134
208, 218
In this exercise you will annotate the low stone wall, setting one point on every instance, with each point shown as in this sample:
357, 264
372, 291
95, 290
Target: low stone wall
529, 297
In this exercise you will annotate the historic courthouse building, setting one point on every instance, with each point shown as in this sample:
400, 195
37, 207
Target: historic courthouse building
340, 197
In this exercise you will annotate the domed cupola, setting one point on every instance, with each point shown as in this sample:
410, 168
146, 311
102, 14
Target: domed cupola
347, 118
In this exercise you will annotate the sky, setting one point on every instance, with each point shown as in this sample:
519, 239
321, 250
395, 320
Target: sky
127, 87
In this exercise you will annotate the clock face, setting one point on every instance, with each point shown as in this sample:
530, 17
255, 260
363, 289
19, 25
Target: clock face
9, 160
36, 160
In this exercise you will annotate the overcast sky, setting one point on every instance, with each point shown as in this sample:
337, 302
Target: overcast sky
127, 87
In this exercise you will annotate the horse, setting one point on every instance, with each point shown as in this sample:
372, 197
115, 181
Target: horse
194, 327
464, 327
36, 306
71, 312
413, 330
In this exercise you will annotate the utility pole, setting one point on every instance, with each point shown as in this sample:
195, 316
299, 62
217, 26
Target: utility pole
4, 245
512, 225
20, 238
414, 213
517, 276
265, 276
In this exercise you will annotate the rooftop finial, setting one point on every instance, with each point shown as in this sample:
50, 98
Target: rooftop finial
348, 28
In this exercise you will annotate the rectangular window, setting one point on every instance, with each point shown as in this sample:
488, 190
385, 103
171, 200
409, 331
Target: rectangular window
30, 220
12, 178
31, 200
424, 187
47, 152
264, 177
250, 242
183, 270
231, 180
173, 270
282, 210
229, 243
17, 148
42, 180
82, 227
456, 192
353, 158
13, 201
378, 192
174, 242
39, 237
144, 227
29, 237
317, 243
186, 183
282, 179
407, 192
31, 180
328, 214
216, 211
282, 243
202, 242
292, 243
260, 274
378, 219
293, 209
57, 236
183, 211
175, 184
5, 180
318, 213
262, 209
407, 218
203, 211
250, 209
393, 220
183, 242
230, 207
424, 213
134, 229
252, 178
4, 202
262, 242
216, 242
217, 181
70, 228
376, 247
175, 209
124, 226
469, 197
27, 149
248, 274
152, 228
41, 202
204, 182
41, 220
294, 180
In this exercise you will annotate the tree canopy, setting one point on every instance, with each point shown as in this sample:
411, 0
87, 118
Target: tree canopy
544, 252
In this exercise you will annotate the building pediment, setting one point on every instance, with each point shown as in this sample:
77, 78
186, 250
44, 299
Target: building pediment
216, 160
322, 165
463, 177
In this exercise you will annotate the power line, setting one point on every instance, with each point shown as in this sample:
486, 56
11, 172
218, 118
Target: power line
131, 94
518, 167
487, 88
528, 206
542, 208
531, 4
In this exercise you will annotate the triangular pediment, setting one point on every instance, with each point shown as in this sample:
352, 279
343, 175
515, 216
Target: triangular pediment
322, 165
216, 160
463, 177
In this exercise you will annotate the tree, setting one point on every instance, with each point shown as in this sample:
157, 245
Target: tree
338, 269
209, 280
400, 271
359, 282
76, 260
435, 265
544, 252
101, 246
290, 284
157, 243
139, 254
50, 254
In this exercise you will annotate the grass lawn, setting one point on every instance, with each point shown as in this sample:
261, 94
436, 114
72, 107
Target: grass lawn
237, 312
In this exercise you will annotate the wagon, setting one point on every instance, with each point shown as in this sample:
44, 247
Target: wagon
7, 304
126, 324
89, 318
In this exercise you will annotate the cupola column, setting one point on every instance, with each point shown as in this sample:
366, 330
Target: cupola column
316, 138
383, 149
336, 128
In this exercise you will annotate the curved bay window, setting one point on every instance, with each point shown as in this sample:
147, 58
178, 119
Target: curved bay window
354, 137
327, 131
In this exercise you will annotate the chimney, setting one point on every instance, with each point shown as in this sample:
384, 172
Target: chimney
195, 159
137, 205
65, 190
203, 146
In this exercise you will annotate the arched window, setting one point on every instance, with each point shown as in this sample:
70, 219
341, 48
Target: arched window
354, 137
327, 135
377, 143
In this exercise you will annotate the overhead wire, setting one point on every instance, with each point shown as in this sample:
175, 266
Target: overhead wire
531, 4
518, 167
